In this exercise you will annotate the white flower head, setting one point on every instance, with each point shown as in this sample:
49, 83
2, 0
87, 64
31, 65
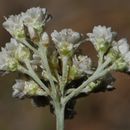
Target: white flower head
32, 89
101, 37
83, 63
14, 25
12, 54
121, 46
22, 53
22, 89
17, 50
66, 40
36, 17
8, 62
120, 54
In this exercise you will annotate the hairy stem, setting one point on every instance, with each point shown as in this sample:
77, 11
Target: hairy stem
43, 55
59, 113
98, 74
29, 46
35, 77
64, 73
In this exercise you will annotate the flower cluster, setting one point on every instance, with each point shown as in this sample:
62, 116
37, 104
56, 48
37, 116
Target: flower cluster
54, 72
82, 65
118, 51
24, 89
66, 41
101, 37
11, 56
33, 19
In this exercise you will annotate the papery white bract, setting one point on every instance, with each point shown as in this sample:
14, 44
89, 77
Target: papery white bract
66, 35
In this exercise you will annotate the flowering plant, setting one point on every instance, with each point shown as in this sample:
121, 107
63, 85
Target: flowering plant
54, 72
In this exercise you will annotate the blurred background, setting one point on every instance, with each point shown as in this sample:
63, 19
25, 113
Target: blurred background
101, 111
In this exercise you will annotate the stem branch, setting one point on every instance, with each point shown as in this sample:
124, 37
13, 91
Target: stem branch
35, 77
64, 73
43, 55
98, 74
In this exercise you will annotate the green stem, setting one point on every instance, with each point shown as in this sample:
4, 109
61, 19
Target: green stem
59, 112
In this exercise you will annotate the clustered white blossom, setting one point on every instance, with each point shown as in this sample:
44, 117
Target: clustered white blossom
34, 19
66, 41
14, 25
11, 56
24, 89
53, 69
101, 37
81, 65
